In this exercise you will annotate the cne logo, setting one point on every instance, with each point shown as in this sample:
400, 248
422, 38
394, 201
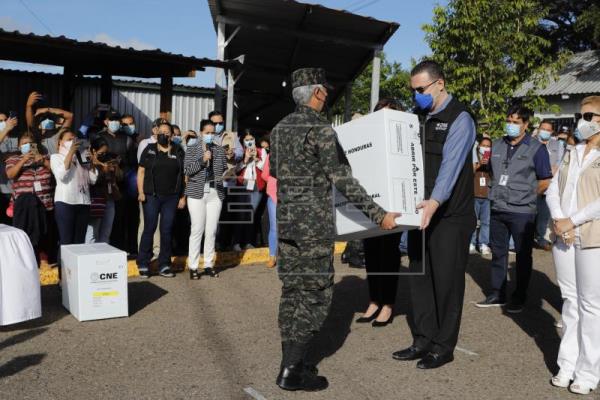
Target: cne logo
104, 276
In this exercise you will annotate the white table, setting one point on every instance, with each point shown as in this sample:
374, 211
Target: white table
20, 293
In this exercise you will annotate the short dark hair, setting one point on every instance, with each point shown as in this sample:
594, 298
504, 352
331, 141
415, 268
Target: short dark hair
523, 112
128, 116
175, 127
548, 121
431, 67
386, 102
167, 124
214, 113
485, 138
205, 122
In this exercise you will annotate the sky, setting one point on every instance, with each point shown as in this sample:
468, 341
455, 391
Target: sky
185, 26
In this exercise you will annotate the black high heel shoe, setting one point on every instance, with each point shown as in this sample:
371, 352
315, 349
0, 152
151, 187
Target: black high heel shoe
364, 320
377, 324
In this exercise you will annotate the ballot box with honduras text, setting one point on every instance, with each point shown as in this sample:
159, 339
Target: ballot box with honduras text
384, 151
94, 281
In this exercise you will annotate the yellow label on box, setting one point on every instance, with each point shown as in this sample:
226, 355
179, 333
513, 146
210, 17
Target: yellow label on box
113, 293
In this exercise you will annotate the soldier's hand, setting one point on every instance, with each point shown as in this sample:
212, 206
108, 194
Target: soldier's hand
389, 221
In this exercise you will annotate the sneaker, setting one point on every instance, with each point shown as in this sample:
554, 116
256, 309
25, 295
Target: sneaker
560, 381
514, 307
492, 300
166, 272
472, 249
272, 262
194, 274
485, 250
211, 272
579, 388
144, 273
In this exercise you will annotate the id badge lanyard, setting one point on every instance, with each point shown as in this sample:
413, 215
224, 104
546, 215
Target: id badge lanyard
504, 177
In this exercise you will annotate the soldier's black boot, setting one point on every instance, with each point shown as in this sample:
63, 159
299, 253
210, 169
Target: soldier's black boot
294, 375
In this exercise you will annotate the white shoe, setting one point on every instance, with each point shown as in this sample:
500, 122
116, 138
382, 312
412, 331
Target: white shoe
560, 381
579, 388
472, 249
485, 250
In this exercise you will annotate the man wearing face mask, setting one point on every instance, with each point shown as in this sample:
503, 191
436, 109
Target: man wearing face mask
521, 171
437, 283
555, 150
47, 124
217, 119
307, 159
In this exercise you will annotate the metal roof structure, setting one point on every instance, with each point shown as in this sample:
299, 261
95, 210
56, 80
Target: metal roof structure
581, 75
275, 37
93, 58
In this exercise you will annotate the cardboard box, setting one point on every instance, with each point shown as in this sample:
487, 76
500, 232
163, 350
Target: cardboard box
94, 281
384, 151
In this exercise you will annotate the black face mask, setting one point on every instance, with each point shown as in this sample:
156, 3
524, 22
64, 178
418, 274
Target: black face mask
162, 139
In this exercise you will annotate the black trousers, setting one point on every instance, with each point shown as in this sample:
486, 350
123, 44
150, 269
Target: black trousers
382, 256
437, 284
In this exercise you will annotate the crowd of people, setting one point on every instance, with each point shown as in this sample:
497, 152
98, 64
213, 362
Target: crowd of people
194, 192
154, 196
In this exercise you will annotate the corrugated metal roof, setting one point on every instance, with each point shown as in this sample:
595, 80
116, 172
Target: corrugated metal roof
87, 57
279, 36
581, 75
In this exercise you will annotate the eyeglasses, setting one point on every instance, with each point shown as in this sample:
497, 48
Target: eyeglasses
586, 116
421, 89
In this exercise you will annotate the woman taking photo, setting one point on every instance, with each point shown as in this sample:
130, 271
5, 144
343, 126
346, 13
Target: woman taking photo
205, 164
160, 187
104, 193
32, 192
72, 194
574, 201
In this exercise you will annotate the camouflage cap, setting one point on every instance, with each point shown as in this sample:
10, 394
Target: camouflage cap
309, 76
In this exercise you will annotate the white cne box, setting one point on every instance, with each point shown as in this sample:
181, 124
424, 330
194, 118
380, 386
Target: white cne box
94, 281
384, 151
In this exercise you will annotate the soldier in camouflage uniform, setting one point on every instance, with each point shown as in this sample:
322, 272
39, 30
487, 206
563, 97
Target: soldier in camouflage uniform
306, 159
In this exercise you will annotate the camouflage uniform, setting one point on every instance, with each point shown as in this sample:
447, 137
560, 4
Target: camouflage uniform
306, 158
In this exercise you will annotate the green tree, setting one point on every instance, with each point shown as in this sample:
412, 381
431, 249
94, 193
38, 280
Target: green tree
488, 48
394, 83
571, 24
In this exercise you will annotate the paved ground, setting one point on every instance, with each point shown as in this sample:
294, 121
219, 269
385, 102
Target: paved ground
214, 339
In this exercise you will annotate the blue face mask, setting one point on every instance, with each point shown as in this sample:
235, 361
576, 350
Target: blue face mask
512, 130
2, 125
130, 130
544, 135
219, 128
48, 124
25, 148
176, 139
424, 101
577, 135
114, 126
207, 139
192, 142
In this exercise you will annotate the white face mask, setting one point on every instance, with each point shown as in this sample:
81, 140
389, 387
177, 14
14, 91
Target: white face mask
587, 129
67, 145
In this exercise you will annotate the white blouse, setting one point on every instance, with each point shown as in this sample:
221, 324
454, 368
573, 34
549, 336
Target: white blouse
73, 184
566, 207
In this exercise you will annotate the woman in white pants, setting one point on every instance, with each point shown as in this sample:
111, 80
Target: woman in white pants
574, 201
205, 163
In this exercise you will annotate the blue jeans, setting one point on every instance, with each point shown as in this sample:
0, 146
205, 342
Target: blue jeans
272, 209
482, 212
521, 227
155, 206
542, 220
99, 229
404, 242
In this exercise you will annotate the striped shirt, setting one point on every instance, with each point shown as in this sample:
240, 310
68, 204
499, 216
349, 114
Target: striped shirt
196, 169
31, 173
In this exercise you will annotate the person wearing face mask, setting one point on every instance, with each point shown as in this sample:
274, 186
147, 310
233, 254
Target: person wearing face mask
7, 145
190, 138
574, 201
306, 159
437, 284
72, 195
249, 177
555, 151
104, 193
128, 184
521, 171
205, 164
161, 187
480, 241
47, 126
128, 127
33, 193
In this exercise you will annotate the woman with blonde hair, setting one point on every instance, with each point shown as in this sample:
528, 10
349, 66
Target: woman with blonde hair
574, 201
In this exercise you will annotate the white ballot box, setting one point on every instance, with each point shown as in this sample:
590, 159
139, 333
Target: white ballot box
94, 281
384, 151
